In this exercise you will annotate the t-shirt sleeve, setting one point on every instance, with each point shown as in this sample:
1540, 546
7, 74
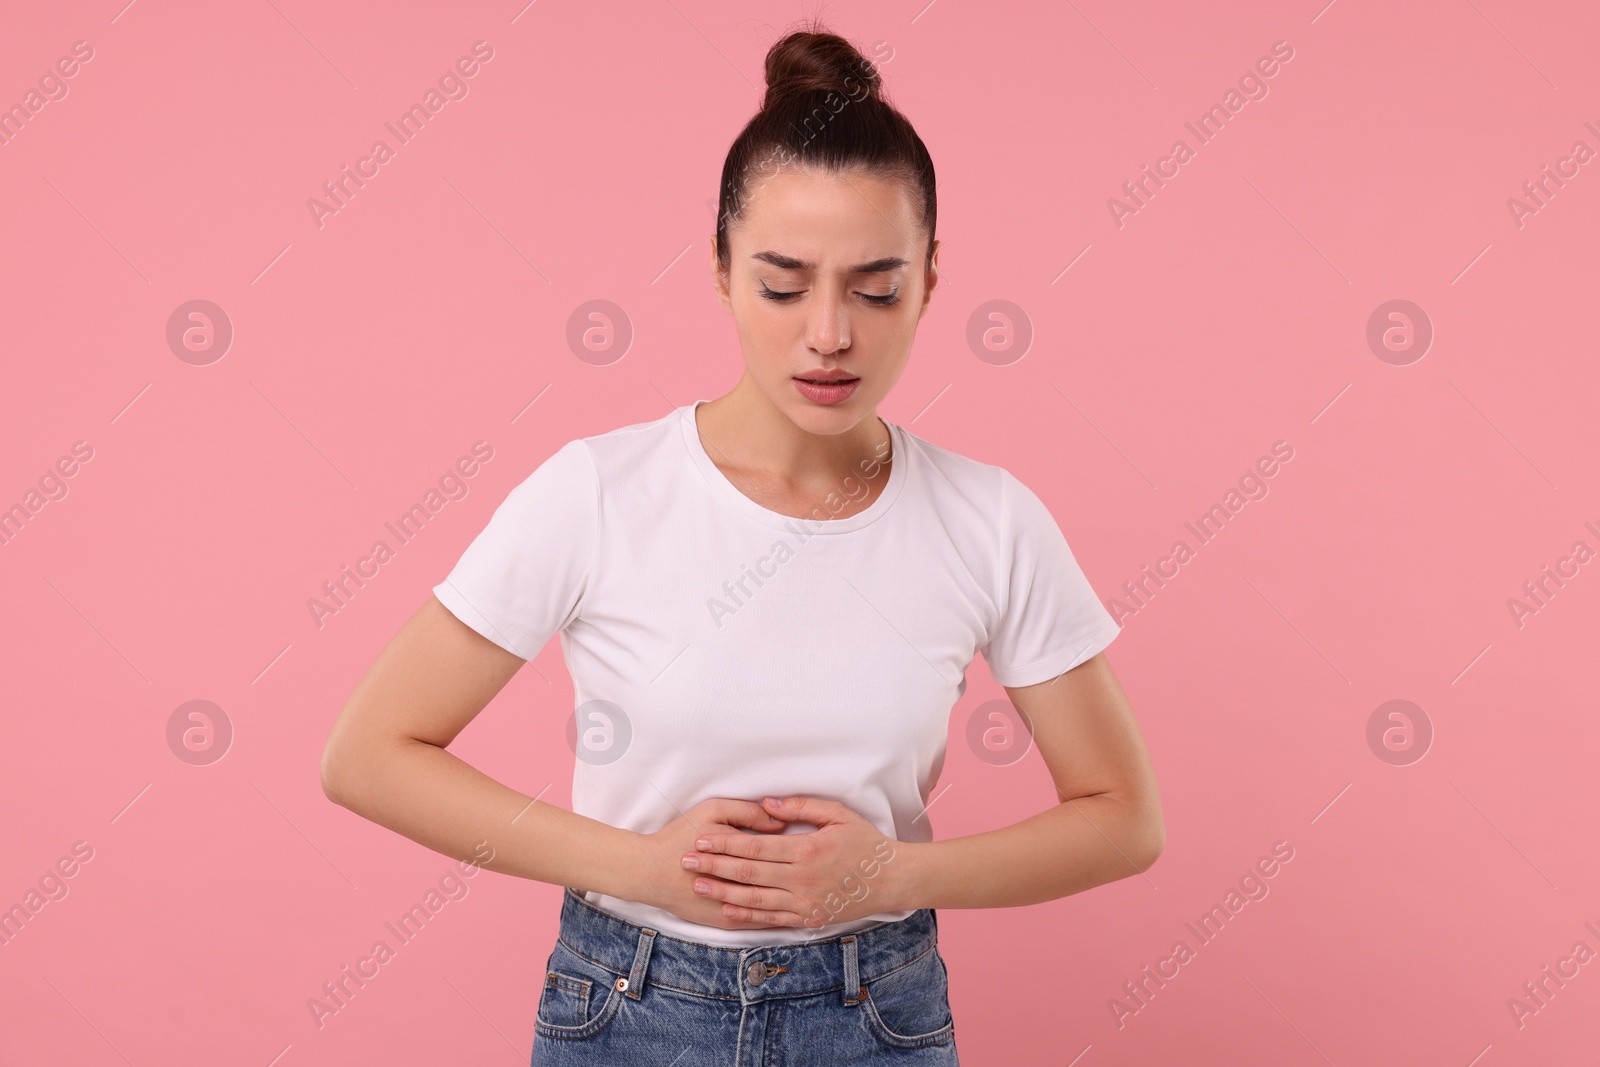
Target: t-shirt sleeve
523, 578
1050, 618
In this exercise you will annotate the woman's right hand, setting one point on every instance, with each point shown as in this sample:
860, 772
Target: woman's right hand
669, 886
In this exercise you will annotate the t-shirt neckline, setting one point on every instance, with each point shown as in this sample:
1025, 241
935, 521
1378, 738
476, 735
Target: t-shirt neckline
811, 524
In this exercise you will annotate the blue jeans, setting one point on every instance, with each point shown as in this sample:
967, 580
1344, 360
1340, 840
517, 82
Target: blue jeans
617, 993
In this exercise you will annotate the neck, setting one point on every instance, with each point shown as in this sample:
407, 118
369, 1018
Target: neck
744, 430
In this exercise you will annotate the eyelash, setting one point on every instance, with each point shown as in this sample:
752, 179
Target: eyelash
878, 301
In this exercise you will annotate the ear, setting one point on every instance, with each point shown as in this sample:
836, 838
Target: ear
933, 280
718, 281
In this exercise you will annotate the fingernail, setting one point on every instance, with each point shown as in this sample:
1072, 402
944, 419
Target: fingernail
702, 888
702, 843
691, 863
775, 802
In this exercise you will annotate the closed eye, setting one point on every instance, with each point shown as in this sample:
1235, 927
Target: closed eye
879, 301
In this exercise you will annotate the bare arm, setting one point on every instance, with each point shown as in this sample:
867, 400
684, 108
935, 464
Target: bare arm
1106, 826
385, 760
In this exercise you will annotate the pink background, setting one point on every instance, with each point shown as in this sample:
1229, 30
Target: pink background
1230, 312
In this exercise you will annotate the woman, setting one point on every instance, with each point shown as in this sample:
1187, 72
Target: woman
767, 602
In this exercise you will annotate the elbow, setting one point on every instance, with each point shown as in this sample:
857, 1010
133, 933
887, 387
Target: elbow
356, 767
335, 773
331, 786
1141, 833
1152, 837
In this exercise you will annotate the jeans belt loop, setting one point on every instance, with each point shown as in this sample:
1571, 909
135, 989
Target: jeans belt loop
852, 973
641, 962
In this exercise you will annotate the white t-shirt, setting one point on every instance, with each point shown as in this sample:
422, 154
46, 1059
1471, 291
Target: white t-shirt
720, 649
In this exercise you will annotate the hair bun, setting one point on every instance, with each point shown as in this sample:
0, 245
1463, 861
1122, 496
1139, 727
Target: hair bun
818, 63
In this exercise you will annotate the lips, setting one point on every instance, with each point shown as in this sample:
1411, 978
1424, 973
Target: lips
830, 378
830, 390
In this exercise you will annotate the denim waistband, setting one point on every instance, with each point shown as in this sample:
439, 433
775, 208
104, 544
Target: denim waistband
766, 972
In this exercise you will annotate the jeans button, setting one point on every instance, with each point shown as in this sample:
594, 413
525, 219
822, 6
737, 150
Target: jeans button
756, 973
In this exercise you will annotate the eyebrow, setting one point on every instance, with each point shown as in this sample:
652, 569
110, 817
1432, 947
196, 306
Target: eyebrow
876, 266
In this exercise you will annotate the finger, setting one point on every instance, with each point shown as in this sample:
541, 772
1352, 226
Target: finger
763, 918
818, 811
736, 869
774, 848
757, 903
745, 813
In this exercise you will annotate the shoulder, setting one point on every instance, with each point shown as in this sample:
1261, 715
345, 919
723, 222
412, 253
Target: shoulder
628, 450
992, 493
954, 476
605, 458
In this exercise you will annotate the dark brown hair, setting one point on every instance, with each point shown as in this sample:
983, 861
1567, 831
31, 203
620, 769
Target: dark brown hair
824, 109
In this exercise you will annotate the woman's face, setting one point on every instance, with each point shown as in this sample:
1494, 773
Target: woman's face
848, 249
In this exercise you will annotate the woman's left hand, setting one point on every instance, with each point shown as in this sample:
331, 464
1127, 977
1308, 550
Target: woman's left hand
843, 870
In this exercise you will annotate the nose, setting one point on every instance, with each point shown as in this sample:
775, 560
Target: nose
828, 328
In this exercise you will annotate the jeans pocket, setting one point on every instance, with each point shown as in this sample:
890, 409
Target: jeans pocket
910, 1007
579, 997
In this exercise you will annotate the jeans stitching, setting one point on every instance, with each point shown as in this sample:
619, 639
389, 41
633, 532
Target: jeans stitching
892, 1037
634, 929
569, 982
619, 928
933, 1037
561, 940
